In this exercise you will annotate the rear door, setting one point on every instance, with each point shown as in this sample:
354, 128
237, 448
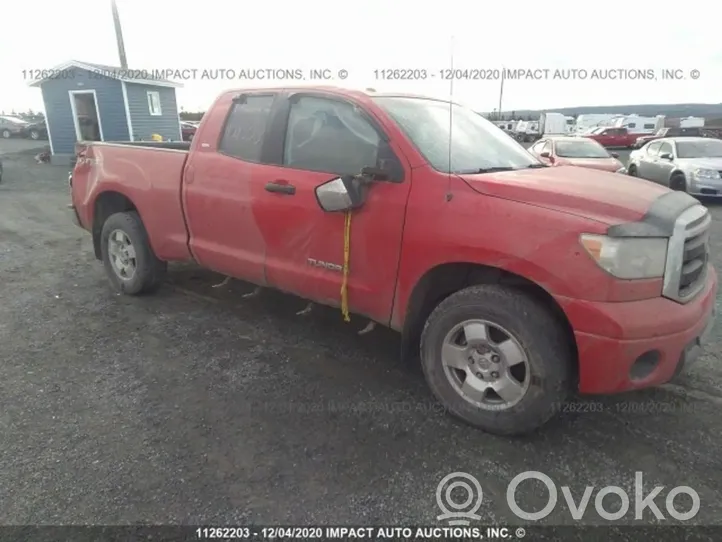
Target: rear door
322, 136
222, 180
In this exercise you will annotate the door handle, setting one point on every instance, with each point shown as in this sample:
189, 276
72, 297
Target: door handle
281, 188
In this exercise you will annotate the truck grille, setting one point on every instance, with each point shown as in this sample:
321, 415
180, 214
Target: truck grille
688, 255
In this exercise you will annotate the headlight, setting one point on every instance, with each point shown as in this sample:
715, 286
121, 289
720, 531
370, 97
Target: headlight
628, 257
706, 174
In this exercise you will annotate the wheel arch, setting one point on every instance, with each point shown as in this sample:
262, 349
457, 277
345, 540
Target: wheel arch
443, 280
108, 203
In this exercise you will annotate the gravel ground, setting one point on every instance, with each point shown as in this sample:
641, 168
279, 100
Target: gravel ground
196, 405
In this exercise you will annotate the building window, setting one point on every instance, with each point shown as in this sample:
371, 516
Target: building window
154, 103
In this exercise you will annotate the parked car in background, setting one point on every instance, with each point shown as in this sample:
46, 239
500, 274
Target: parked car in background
1, 169
36, 130
669, 132
688, 164
612, 137
12, 126
188, 130
576, 151
502, 330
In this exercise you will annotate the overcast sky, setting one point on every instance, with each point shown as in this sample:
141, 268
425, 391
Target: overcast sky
362, 37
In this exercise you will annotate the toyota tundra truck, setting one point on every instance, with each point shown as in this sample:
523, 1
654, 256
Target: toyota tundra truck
513, 283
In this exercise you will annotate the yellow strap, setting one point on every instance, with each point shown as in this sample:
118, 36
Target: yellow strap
346, 258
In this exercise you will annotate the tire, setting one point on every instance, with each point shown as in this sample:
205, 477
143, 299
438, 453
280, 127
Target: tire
148, 272
34, 134
548, 365
678, 182
632, 171
6, 134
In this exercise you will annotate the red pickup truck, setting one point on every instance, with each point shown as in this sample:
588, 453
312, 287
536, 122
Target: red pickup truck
514, 283
613, 137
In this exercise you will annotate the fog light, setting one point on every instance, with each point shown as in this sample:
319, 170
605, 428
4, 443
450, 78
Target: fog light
644, 365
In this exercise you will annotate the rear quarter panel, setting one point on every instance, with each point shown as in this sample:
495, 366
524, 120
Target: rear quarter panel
149, 177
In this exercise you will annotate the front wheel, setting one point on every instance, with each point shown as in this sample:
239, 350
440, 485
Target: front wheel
129, 260
678, 182
34, 134
632, 171
497, 359
6, 134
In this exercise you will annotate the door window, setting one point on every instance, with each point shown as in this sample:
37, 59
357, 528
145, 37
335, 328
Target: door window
665, 148
335, 137
245, 128
653, 148
537, 147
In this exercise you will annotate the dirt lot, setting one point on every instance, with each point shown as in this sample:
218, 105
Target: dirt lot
199, 406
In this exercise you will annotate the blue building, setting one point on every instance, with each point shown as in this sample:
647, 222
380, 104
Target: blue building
94, 102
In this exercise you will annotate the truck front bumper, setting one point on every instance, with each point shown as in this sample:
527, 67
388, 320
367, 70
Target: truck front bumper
645, 343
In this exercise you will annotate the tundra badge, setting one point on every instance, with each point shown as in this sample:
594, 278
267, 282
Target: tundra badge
325, 265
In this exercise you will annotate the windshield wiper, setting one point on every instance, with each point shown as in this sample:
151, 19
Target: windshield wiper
484, 170
497, 169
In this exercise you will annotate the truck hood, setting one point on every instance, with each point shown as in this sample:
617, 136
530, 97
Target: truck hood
610, 198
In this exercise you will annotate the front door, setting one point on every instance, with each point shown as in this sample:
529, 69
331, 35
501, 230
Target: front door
326, 137
662, 167
223, 179
648, 159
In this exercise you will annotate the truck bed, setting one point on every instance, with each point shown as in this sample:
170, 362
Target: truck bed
150, 174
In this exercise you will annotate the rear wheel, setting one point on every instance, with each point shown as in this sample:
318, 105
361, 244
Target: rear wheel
129, 261
497, 359
6, 134
678, 182
34, 134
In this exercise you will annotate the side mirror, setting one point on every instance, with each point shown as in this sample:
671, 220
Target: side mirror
665, 156
341, 194
374, 174
614, 154
545, 154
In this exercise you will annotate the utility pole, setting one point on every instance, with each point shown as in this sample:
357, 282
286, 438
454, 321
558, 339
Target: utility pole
119, 36
501, 90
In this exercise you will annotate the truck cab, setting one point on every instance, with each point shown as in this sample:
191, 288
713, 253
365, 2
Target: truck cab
510, 282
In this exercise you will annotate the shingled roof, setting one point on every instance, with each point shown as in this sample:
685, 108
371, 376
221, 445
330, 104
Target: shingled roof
138, 76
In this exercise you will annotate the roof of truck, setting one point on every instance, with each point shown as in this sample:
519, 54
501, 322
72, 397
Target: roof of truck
341, 91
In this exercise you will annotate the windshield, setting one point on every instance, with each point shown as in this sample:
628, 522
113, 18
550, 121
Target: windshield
699, 149
580, 149
476, 144
598, 130
662, 131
